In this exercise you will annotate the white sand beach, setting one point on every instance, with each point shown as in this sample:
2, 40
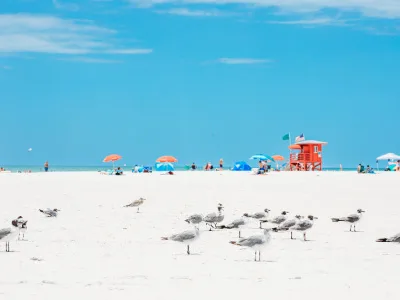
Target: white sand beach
96, 248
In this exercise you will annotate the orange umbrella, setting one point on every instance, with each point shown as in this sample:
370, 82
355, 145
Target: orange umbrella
166, 159
278, 157
112, 158
295, 147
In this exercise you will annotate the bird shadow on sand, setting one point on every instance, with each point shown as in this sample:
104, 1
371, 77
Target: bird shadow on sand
185, 254
358, 231
11, 251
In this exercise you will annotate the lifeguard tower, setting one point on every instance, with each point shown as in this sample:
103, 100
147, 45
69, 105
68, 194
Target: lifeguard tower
308, 156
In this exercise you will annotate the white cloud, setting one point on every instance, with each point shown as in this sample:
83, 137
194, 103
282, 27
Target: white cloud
190, 13
48, 34
65, 5
311, 22
130, 51
243, 61
91, 60
370, 8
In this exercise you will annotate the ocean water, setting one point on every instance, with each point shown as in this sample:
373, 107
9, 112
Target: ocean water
35, 169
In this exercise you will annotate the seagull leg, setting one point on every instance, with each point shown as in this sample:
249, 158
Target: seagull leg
239, 234
304, 235
255, 256
291, 235
260, 225
188, 250
259, 255
354, 227
137, 209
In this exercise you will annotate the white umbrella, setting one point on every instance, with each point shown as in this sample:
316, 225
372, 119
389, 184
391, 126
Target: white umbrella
388, 156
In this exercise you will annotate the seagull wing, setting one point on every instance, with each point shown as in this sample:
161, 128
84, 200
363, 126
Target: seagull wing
287, 224
210, 218
251, 241
4, 232
303, 225
353, 218
184, 236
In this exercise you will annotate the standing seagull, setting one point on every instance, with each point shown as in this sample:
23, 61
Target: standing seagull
22, 226
213, 219
287, 225
186, 237
304, 225
9, 234
352, 219
259, 215
256, 242
136, 203
277, 220
237, 224
195, 219
50, 212
393, 239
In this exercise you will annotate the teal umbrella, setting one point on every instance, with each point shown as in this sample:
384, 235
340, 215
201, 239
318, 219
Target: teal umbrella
262, 157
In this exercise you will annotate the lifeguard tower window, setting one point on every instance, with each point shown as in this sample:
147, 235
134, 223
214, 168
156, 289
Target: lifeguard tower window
315, 149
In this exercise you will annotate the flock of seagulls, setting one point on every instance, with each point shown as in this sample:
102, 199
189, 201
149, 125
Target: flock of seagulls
255, 242
279, 223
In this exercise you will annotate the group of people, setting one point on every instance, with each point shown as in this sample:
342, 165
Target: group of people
209, 166
362, 170
263, 167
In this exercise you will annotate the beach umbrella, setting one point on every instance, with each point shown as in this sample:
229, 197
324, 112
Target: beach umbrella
164, 167
294, 147
112, 158
166, 159
278, 157
388, 156
262, 157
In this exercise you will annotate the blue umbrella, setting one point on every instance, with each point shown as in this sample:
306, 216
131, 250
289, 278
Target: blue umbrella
164, 167
262, 157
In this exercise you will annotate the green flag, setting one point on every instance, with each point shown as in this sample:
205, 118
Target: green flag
286, 137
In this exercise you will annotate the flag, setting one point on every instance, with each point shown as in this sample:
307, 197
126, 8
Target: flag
299, 138
286, 137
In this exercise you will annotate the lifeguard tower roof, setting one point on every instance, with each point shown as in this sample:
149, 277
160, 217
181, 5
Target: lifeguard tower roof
311, 142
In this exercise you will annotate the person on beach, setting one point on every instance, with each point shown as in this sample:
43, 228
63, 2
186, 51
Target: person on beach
119, 171
193, 166
46, 166
221, 164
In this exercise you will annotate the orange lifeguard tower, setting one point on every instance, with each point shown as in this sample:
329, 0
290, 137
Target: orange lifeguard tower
309, 158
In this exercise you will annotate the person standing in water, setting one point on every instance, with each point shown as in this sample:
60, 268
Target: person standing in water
221, 164
46, 166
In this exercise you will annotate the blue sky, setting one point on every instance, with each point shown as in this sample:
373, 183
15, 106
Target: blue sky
197, 79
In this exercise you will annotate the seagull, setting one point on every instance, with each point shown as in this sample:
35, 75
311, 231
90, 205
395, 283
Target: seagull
136, 203
50, 212
237, 224
186, 237
393, 239
194, 219
8, 234
277, 220
304, 225
213, 218
256, 242
259, 215
287, 225
353, 219
22, 227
